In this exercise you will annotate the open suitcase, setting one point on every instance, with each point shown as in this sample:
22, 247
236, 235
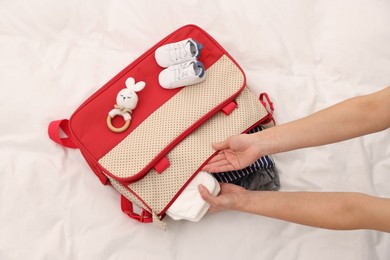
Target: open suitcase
169, 138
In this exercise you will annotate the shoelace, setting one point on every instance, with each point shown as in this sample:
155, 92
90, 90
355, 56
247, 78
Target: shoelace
183, 70
178, 51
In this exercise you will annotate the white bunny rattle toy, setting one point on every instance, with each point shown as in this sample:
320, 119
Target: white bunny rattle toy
126, 101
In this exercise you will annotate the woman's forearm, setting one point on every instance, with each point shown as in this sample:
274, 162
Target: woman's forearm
330, 210
348, 119
351, 118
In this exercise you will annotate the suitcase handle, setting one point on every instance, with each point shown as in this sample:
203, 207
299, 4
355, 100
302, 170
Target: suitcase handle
54, 133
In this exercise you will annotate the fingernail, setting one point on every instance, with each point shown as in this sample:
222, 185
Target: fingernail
200, 188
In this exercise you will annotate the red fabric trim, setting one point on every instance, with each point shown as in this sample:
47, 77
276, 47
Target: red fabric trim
228, 109
96, 169
54, 133
267, 103
162, 165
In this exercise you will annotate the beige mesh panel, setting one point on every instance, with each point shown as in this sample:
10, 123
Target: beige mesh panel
157, 190
138, 149
125, 192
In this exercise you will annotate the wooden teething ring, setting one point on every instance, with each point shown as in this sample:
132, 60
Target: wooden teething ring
116, 129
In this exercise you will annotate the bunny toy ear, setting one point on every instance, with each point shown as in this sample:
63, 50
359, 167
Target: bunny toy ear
130, 83
139, 86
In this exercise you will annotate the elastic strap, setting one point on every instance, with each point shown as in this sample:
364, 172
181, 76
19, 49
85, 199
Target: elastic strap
267, 103
54, 133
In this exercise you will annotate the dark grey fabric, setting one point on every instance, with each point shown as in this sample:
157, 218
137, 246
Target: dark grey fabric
263, 179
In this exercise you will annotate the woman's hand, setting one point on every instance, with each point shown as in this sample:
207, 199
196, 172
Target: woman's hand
229, 197
236, 152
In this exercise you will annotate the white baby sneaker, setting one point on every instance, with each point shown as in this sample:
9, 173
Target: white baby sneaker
187, 73
177, 52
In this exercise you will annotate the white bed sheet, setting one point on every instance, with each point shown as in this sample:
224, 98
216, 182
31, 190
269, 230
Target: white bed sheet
306, 54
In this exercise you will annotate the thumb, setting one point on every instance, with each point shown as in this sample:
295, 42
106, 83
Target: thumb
205, 194
221, 145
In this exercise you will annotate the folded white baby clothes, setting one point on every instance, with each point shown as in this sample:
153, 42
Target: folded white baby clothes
190, 205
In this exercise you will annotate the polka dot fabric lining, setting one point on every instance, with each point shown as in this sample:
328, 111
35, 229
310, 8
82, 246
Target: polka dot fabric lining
157, 190
140, 147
